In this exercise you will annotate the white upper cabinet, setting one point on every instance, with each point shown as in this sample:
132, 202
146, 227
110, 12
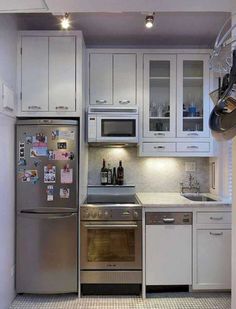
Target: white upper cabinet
125, 67
112, 79
100, 79
50, 73
159, 95
34, 74
192, 95
62, 74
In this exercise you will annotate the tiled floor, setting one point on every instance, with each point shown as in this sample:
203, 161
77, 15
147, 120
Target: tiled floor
155, 301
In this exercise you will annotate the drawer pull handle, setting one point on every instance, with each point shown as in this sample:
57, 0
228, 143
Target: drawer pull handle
192, 134
159, 134
62, 107
124, 101
216, 218
34, 107
168, 220
192, 147
159, 147
216, 234
101, 101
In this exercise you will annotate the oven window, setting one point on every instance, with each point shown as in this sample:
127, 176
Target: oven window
111, 245
118, 127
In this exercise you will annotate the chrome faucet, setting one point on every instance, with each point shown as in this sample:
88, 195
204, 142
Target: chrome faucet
193, 185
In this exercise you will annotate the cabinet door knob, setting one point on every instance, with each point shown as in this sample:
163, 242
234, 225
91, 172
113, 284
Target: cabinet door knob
101, 101
216, 218
34, 107
124, 101
192, 147
216, 234
62, 107
159, 147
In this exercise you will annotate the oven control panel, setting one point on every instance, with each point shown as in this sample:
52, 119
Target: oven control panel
110, 213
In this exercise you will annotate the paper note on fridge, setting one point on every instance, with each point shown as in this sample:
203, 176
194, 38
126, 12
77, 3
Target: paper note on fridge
60, 155
67, 175
60, 134
49, 174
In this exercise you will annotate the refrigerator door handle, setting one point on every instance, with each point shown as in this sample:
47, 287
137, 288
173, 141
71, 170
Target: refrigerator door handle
39, 215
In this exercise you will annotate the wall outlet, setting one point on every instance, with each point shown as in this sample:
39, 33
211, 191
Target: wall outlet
13, 271
190, 166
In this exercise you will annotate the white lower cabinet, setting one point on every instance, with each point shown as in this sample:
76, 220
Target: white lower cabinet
168, 254
212, 259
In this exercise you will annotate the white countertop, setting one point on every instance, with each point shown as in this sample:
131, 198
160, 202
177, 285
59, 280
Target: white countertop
151, 199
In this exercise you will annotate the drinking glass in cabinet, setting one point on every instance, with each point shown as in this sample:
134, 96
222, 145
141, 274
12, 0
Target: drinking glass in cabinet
159, 90
192, 95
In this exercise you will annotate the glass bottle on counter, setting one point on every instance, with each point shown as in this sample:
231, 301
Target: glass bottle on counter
109, 174
120, 174
114, 180
104, 173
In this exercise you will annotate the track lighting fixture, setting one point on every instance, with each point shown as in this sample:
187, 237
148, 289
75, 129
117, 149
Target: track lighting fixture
65, 22
149, 20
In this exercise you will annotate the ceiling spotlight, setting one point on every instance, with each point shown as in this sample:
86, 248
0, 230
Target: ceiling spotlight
65, 22
149, 21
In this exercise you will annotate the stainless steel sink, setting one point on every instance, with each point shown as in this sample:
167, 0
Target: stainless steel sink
199, 198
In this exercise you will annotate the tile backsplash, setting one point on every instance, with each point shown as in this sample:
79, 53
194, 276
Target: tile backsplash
147, 174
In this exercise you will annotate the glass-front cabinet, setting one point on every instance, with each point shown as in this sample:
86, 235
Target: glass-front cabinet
159, 95
192, 95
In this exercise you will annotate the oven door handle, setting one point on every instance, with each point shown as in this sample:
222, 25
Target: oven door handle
102, 226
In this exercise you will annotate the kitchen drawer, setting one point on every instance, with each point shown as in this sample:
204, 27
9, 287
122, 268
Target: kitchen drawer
158, 147
214, 218
193, 147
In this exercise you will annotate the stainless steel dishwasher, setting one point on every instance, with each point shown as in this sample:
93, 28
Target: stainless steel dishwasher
168, 248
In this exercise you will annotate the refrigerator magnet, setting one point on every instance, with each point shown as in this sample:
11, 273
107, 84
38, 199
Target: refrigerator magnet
30, 176
64, 192
50, 191
49, 174
22, 162
38, 152
29, 140
37, 163
67, 175
60, 155
67, 134
40, 140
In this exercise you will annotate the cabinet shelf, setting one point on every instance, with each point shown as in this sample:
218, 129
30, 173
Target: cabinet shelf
192, 118
161, 118
159, 77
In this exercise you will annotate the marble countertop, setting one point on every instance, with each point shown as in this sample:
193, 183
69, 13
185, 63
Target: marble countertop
151, 199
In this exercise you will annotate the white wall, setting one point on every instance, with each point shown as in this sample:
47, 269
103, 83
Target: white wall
8, 52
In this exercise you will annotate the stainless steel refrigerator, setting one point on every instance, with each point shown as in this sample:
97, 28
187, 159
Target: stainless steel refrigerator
47, 152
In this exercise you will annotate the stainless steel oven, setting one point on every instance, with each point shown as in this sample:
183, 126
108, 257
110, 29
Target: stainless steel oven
111, 244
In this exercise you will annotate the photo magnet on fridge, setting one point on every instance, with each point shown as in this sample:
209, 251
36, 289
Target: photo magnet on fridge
64, 192
22, 162
60, 155
29, 140
49, 174
30, 176
38, 152
40, 140
50, 191
63, 134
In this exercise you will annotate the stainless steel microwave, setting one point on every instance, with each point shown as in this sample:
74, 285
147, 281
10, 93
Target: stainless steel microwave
113, 125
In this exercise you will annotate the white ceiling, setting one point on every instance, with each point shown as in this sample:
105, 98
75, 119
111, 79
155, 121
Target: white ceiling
61, 6
171, 29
